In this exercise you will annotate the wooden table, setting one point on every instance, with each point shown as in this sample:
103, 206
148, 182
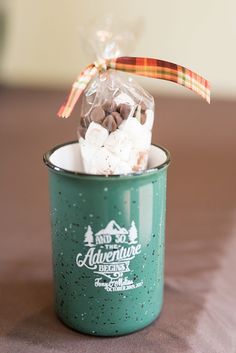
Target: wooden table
199, 312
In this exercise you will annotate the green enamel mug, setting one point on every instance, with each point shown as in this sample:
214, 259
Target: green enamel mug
108, 235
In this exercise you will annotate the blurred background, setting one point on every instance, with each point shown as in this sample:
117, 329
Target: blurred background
41, 45
41, 54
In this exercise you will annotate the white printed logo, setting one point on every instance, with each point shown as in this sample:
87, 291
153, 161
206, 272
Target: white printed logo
110, 252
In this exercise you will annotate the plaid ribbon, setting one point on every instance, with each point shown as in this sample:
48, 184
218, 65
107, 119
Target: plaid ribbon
147, 67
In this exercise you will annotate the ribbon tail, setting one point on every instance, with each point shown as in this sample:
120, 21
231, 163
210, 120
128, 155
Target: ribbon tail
194, 82
66, 109
77, 89
163, 70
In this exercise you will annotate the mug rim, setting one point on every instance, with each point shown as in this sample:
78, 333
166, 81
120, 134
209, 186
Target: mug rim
53, 167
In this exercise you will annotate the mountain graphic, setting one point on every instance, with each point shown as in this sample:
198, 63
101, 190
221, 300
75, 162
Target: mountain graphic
112, 228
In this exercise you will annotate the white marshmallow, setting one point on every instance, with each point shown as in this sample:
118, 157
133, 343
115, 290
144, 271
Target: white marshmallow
96, 134
118, 143
140, 161
149, 119
87, 152
133, 157
104, 162
137, 133
143, 160
119, 152
144, 142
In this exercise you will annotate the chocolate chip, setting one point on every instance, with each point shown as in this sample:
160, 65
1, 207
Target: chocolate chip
124, 110
109, 123
117, 117
109, 107
97, 114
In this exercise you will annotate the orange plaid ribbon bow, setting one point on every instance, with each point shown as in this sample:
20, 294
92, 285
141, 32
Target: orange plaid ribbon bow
147, 67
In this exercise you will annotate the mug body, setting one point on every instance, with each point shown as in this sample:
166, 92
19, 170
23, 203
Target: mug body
108, 236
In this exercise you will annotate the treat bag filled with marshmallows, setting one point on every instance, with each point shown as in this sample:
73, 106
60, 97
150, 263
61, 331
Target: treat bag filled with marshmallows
116, 120
116, 125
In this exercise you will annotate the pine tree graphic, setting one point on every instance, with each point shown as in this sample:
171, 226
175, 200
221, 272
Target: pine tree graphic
133, 234
88, 237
